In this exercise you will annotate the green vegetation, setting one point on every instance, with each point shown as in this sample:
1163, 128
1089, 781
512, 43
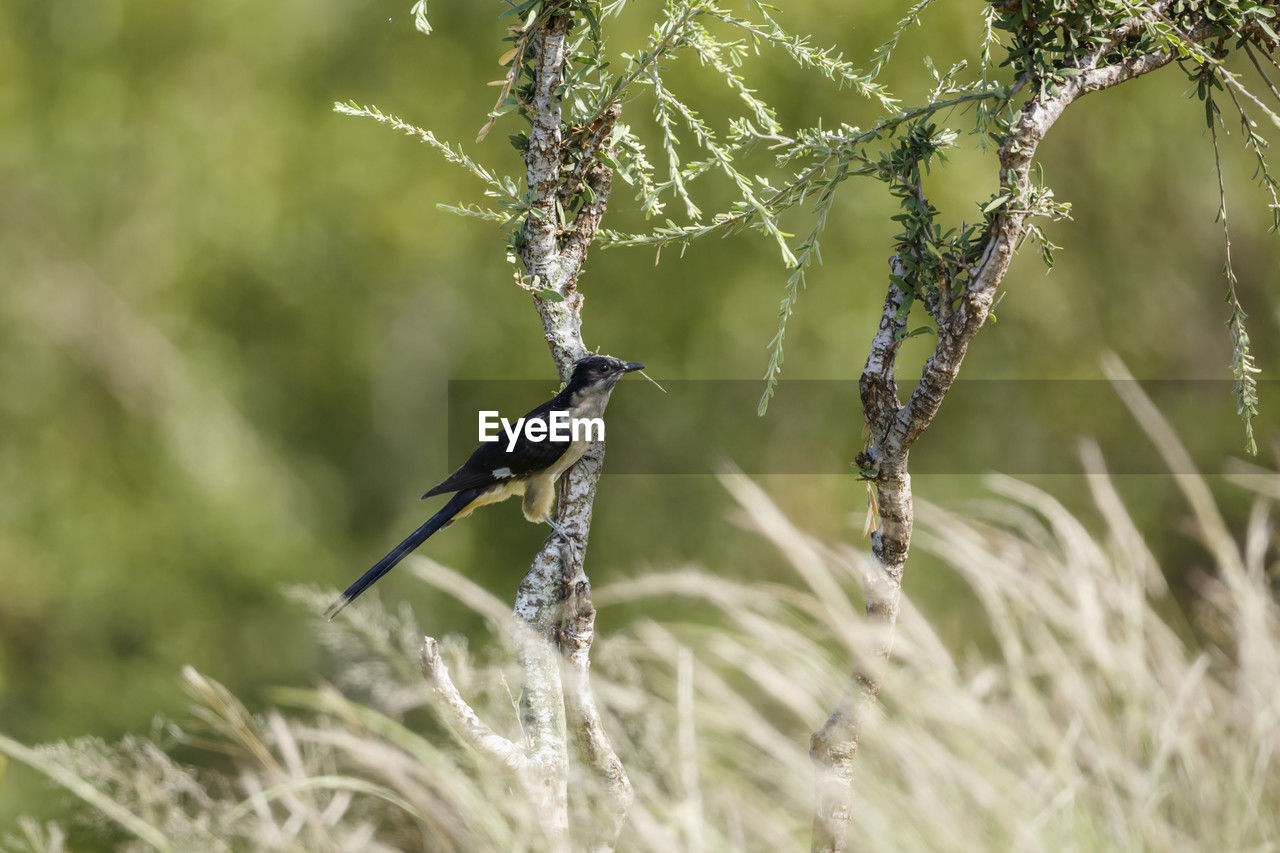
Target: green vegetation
227, 321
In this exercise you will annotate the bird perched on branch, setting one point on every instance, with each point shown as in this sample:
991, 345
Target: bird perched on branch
525, 465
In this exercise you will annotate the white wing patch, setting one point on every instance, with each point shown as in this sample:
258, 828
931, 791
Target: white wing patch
502, 473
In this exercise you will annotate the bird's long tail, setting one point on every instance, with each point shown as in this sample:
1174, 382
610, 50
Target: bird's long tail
416, 538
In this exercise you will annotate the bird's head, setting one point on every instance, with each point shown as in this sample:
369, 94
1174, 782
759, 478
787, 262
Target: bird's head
599, 373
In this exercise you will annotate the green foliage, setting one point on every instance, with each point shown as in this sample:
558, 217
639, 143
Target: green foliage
1045, 44
228, 318
933, 260
1049, 38
827, 159
1243, 368
591, 86
502, 189
1209, 76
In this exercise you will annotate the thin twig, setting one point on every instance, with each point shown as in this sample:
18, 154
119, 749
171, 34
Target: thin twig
461, 716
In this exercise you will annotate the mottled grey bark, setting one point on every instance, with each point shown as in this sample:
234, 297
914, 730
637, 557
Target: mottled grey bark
894, 426
554, 623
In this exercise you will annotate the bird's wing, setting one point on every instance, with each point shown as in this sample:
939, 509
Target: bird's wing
492, 463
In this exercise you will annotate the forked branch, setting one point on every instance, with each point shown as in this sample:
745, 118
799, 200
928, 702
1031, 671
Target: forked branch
554, 620
894, 427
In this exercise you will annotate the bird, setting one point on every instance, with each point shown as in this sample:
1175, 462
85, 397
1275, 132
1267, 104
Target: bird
524, 465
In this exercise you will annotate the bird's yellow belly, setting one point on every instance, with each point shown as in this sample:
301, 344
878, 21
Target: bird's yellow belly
565, 462
493, 495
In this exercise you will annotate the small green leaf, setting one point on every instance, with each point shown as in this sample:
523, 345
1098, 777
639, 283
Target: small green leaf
592, 21
518, 9
996, 203
548, 295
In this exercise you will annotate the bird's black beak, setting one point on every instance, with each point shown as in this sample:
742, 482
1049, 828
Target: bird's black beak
629, 366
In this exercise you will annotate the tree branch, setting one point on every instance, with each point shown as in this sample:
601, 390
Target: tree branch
895, 428
461, 716
553, 259
877, 387
576, 637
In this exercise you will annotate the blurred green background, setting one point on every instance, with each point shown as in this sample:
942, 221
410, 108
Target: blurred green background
229, 316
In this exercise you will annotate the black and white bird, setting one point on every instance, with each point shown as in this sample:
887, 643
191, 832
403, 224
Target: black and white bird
497, 470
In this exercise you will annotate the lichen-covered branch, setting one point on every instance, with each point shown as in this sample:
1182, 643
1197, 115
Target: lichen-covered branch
576, 636
895, 427
877, 387
553, 253
568, 191
461, 716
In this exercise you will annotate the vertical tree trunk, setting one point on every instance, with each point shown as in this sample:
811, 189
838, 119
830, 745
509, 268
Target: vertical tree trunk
894, 427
